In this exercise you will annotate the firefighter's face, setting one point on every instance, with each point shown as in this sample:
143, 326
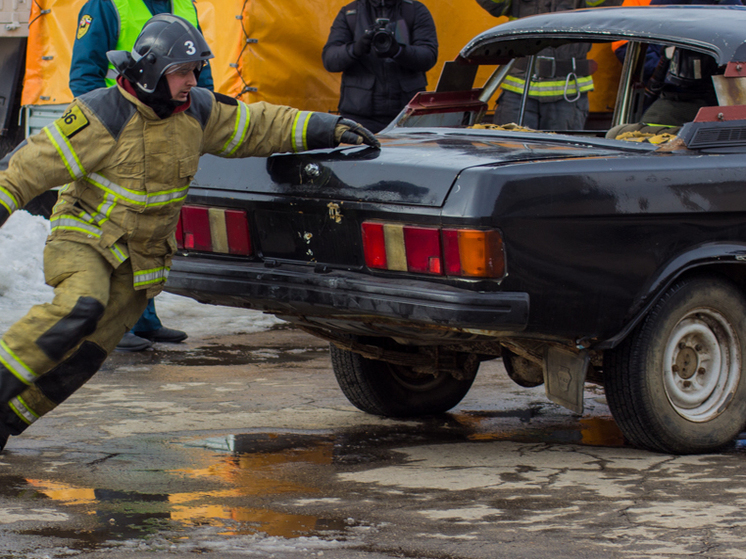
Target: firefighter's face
180, 82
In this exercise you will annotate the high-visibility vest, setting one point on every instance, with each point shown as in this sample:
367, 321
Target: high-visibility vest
133, 14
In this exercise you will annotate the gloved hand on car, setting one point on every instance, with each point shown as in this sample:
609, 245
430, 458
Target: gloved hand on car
350, 132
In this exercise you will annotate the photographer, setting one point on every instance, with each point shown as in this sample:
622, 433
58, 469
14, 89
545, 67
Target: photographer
383, 49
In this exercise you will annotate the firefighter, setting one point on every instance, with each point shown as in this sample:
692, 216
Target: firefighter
126, 156
105, 25
558, 90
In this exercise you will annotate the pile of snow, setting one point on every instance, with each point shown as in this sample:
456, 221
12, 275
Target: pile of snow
22, 285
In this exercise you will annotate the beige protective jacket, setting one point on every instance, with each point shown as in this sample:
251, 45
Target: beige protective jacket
126, 172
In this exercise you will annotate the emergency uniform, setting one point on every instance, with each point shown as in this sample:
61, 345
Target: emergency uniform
687, 84
558, 92
105, 25
126, 173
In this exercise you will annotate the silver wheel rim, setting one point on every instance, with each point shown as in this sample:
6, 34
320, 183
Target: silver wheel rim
702, 365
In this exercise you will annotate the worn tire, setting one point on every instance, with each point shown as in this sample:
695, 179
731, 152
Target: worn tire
380, 388
677, 383
522, 371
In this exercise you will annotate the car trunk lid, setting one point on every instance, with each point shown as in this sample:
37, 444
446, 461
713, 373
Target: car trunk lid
412, 168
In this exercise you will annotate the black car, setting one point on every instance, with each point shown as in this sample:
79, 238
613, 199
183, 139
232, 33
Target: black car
574, 257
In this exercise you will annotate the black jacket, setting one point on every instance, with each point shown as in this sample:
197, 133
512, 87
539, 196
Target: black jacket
380, 87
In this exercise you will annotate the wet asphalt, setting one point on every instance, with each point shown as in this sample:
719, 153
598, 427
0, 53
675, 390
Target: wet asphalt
245, 446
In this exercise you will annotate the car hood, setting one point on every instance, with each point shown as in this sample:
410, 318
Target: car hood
416, 167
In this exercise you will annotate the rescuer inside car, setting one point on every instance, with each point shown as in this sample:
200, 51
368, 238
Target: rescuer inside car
383, 49
558, 91
126, 156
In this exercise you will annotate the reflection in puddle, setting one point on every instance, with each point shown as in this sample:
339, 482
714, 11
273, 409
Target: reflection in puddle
214, 355
592, 431
250, 467
244, 477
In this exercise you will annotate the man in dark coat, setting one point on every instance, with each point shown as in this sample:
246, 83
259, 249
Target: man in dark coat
383, 49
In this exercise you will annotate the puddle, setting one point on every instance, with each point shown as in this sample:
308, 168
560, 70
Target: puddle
213, 355
592, 431
247, 480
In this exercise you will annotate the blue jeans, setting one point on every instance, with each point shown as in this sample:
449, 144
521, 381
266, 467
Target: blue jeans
149, 321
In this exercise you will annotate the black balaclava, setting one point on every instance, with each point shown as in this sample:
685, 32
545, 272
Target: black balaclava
160, 100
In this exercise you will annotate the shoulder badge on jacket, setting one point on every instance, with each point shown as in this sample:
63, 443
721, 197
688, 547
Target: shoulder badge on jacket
72, 122
84, 26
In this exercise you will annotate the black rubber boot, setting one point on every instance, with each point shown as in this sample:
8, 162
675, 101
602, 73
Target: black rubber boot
10, 424
3, 437
10, 386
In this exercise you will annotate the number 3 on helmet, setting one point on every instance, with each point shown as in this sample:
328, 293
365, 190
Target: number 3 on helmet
166, 40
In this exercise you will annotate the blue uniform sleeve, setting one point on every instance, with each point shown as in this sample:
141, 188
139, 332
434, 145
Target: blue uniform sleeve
97, 33
205, 78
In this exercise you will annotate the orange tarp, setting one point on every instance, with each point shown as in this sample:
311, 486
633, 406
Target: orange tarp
265, 50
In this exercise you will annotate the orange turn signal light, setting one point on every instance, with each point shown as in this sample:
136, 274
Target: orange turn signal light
431, 250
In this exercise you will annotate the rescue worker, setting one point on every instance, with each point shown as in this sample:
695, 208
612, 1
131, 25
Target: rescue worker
105, 25
126, 156
680, 85
685, 83
558, 92
383, 49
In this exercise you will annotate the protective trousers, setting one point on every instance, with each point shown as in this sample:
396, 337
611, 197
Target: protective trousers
554, 115
57, 347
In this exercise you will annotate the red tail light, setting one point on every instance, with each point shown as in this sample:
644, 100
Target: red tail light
431, 250
214, 230
422, 245
374, 245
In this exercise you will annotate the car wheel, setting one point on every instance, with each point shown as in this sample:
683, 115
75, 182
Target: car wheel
381, 388
676, 384
522, 371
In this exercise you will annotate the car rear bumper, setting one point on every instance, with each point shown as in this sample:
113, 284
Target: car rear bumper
301, 291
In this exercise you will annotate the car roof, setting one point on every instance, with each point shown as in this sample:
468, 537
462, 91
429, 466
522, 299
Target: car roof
715, 30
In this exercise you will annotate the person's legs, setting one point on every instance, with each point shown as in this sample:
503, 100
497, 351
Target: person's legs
43, 337
57, 347
563, 115
149, 320
149, 327
508, 110
671, 112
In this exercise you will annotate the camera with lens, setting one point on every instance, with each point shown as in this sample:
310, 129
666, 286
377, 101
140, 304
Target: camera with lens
383, 37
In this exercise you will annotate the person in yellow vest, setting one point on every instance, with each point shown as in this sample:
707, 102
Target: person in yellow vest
126, 162
105, 25
558, 91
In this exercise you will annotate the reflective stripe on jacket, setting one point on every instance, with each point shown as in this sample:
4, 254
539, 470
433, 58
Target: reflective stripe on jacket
550, 90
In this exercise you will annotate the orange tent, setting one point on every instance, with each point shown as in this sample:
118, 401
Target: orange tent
265, 50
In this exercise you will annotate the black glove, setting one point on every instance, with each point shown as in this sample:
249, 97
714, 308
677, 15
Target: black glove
4, 215
350, 132
362, 45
